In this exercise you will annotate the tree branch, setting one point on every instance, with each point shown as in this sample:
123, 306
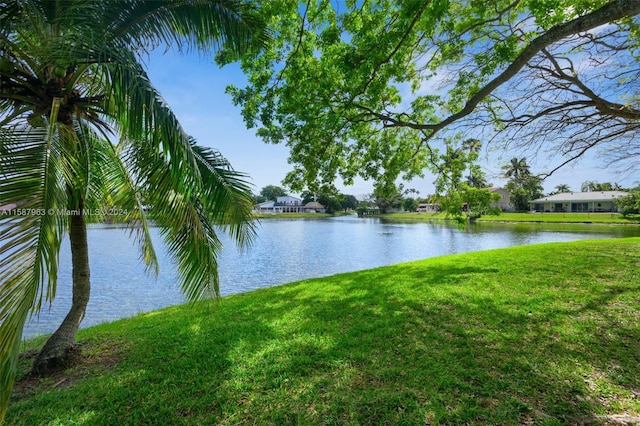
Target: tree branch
608, 13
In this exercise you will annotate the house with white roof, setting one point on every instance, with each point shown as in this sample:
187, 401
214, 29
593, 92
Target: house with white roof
596, 201
284, 204
428, 207
289, 204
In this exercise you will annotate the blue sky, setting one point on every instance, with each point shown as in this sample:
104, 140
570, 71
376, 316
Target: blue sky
194, 88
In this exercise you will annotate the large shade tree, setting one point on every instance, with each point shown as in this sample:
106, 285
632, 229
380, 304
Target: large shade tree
82, 129
373, 88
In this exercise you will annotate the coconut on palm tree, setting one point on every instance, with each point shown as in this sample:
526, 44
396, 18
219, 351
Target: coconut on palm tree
83, 129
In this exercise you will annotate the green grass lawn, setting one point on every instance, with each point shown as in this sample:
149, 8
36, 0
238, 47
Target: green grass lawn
544, 334
611, 218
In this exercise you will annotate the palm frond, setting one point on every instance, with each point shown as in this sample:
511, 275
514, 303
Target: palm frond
113, 188
86, 50
204, 24
141, 114
188, 207
31, 177
227, 195
186, 228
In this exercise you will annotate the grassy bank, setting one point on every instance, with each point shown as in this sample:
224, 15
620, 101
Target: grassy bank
546, 334
605, 218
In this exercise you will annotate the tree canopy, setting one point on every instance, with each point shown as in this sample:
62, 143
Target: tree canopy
348, 202
272, 192
630, 204
373, 88
592, 185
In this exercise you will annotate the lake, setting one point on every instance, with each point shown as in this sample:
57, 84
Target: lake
286, 250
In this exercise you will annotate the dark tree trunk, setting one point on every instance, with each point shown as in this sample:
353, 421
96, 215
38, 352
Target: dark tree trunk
61, 350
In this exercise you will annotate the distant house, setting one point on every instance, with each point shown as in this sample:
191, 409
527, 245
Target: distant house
428, 208
504, 203
368, 210
267, 207
289, 204
288, 200
597, 201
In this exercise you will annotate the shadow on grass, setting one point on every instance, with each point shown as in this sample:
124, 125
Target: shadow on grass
410, 344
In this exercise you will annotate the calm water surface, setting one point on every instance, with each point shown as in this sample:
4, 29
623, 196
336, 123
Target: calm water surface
286, 250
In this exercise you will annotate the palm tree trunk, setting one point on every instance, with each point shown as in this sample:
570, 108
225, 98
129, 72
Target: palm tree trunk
61, 350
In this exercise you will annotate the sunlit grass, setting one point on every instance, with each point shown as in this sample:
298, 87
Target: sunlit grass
546, 334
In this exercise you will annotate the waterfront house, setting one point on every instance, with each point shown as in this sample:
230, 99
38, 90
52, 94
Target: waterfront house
504, 203
267, 207
289, 204
428, 208
596, 201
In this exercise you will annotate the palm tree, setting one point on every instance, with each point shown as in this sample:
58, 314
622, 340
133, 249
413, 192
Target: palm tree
589, 186
562, 188
72, 84
516, 169
472, 145
477, 179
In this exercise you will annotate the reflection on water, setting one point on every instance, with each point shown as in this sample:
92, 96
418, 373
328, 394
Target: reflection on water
285, 251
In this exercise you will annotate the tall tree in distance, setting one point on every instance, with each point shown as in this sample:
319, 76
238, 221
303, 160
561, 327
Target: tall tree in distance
517, 169
562, 188
71, 81
477, 178
272, 192
592, 185
348, 202
522, 185
388, 197
630, 204
471, 145
464, 200
330, 203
